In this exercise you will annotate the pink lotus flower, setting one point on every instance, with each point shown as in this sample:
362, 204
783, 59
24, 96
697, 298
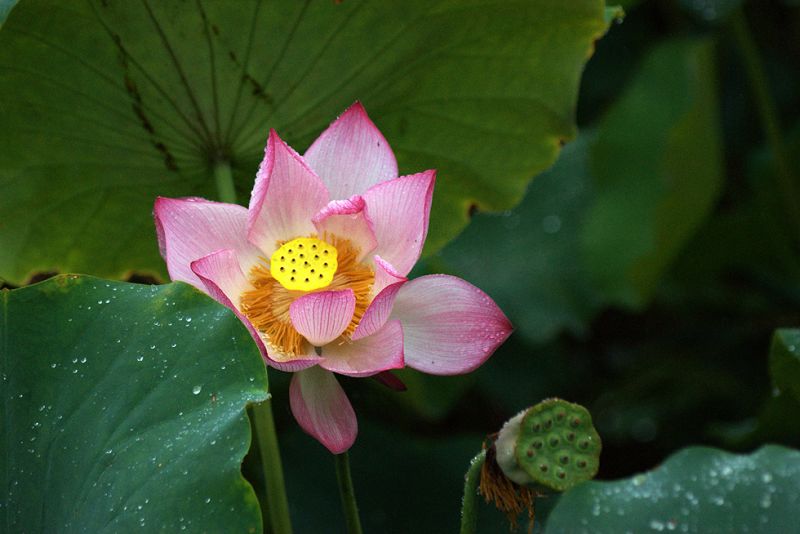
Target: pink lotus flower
316, 269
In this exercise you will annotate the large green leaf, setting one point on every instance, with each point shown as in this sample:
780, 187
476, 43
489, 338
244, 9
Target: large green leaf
657, 167
696, 490
529, 259
123, 409
107, 103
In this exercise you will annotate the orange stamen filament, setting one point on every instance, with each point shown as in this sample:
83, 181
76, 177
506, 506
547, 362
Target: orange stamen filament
267, 305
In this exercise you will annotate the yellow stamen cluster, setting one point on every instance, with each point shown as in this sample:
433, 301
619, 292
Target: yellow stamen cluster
304, 264
267, 305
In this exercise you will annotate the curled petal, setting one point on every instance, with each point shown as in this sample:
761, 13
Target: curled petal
450, 326
347, 218
190, 228
352, 154
368, 356
387, 283
285, 197
223, 279
323, 316
220, 272
321, 408
385, 275
399, 210
378, 312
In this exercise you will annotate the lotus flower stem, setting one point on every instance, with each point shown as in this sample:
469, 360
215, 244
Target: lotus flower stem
346, 492
224, 179
277, 503
767, 113
261, 415
469, 509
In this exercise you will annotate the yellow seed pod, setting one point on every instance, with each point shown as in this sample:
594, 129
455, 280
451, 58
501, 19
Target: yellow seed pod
304, 264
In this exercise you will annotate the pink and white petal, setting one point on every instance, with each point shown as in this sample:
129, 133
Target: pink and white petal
378, 311
223, 279
385, 275
286, 195
450, 326
347, 218
321, 408
368, 356
352, 154
323, 316
399, 210
385, 287
190, 228
293, 363
221, 271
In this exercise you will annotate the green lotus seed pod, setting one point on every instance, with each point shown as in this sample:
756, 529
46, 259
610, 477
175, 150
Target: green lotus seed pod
556, 446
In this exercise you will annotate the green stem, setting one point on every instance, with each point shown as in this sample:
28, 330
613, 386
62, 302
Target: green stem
469, 508
224, 178
349, 506
768, 115
277, 503
263, 422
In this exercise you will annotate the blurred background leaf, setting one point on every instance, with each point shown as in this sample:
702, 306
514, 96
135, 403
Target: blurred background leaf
530, 259
784, 361
107, 104
5, 7
657, 171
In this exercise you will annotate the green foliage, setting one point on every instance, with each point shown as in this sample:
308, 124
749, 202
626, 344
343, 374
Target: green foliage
696, 490
784, 361
430, 397
536, 273
657, 169
710, 10
779, 417
124, 409
570, 247
630, 263
557, 445
418, 490
107, 104
5, 7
